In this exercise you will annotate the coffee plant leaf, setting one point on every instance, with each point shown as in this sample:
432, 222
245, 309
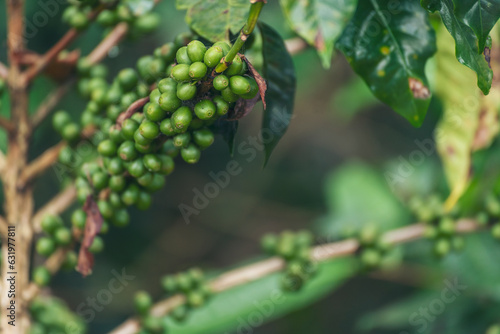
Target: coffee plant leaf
262, 301
469, 24
279, 72
319, 22
214, 20
388, 45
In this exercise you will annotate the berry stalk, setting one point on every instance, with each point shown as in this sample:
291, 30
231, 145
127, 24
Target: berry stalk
253, 16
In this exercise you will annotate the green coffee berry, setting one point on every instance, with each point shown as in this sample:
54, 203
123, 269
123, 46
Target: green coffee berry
182, 140
45, 246
221, 104
144, 148
186, 91
179, 313
121, 218
143, 67
447, 226
254, 89
371, 257
146, 179
107, 148
129, 127
182, 56
170, 149
167, 164
107, 18
166, 52
142, 302
495, 231
228, 95
239, 85
117, 183
79, 21
136, 168
144, 200
197, 70
195, 299
127, 151
149, 130
169, 102
130, 195
205, 109
140, 139
269, 243
196, 51
152, 162
221, 82
147, 23
78, 219
180, 73
181, 119
127, 78
203, 138
157, 183
105, 209
100, 180
41, 276
169, 284
442, 247
50, 223
224, 46
70, 261
167, 86
213, 56
191, 154
235, 67
166, 127
62, 236
97, 245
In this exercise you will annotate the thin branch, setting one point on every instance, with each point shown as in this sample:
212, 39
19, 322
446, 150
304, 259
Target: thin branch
4, 71
51, 101
40, 164
111, 40
55, 206
258, 270
7, 124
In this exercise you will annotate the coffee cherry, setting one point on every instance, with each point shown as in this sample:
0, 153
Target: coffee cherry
197, 70
166, 52
97, 245
254, 89
142, 302
97, 83
60, 120
191, 154
117, 183
124, 13
157, 183
180, 73
69, 12
105, 209
447, 226
130, 195
115, 200
166, 127
157, 68
99, 71
149, 130
143, 67
121, 218
146, 179
442, 247
71, 132
221, 104
50, 223
153, 325
41, 276
169, 284
205, 109
181, 119
186, 91
224, 46
182, 56
127, 99
113, 112
136, 168
144, 148
495, 231
213, 56
142, 90
235, 67
170, 149
167, 164
195, 299
140, 139
228, 95
100, 180
147, 23
182, 140
221, 82
169, 102
79, 21
129, 127
107, 148
239, 85
203, 138
70, 261
127, 78
152, 162
144, 200
196, 51
371, 257
107, 18
431, 232
66, 155
167, 86
62, 236
78, 219
127, 151
45, 246
179, 313
139, 117
269, 243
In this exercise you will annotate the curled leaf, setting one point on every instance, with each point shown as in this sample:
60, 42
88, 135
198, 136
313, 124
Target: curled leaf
93, 225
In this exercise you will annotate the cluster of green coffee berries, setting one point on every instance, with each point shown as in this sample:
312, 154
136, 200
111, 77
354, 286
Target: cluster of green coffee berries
295, 249
51, 315
110, 13
193, 285
440, 227
372, 248
149, 323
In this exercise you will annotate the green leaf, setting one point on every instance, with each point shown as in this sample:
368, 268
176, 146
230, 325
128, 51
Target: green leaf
227, 129
456, 130
319, 22
214, 19
457, 18
140, 7
281, 84
388, 47
480, 15
250, 305
358, 195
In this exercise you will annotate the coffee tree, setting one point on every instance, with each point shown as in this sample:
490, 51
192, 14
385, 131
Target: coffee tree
138, 124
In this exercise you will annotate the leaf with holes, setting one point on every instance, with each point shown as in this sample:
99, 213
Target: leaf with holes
462, 20
319, 22
388, 46
280, 95
214, 19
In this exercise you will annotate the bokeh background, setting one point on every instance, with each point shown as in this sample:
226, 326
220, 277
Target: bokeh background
335, 155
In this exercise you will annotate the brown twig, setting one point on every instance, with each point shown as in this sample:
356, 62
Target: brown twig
51, 101
113, 38
258, 270
55, 206
134, 107
40, 164
4, 71
6, 124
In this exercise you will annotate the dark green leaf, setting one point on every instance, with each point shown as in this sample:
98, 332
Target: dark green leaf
140, 7
227, 129
251, 305
214, 19
319, 22
388, 46
457, 18
280, 75
480, 15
